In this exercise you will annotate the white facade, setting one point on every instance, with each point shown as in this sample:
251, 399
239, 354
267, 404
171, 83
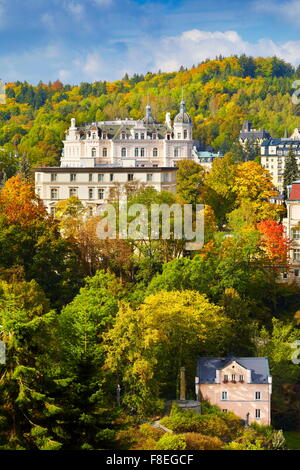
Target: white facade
274, 153
100, 156
292, 230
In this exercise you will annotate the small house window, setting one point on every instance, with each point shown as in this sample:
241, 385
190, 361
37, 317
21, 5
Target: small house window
72, 192
53, 177
142, 136
224, 396
185, 134
257, 396
104, 152
111, 177
155, 152
91, 193
100, 177
90, 176
241, 378
93, 152
149, 177
54, 193
73, 177
100, 193
257, 413
136, 136
142, 152
136, 152
123, 152
130, 177
176, 152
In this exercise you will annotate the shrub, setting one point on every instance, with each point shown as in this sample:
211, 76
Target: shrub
171, 442
143, 437
195, 441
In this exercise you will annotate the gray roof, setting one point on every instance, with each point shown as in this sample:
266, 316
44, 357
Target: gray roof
252, 135
207, 366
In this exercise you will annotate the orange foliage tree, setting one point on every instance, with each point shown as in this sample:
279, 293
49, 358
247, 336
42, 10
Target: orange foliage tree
274, 242
19, 204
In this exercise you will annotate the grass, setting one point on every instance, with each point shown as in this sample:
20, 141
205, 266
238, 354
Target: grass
292, 439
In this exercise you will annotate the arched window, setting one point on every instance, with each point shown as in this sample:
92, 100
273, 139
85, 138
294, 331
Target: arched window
142, 152
155, 152
136, 152
123, 152
185, 134
104, 152
93, 152
123, 135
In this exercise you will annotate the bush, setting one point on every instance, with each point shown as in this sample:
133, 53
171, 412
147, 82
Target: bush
171, 442
143, 437
196, 441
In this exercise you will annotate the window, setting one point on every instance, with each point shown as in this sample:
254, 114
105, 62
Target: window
257, 414
176, 152
224, 396
297, 254
72, 192
154, 136
54, 193
285, 275
111, 177
155, 152
90, 176
136, 136
185, 134
100, 193
123, 152
224, 410
165, 177
93, 152
136, 152
53, 211
233, 377
296, 272
91, 193
100, 177
130, 177
142, 152
257, 396
168, 136
142, 136
123, 135
149, 177
179, 135
73, 177
296, 234
225, 378
241, 378
104, 152
53, 177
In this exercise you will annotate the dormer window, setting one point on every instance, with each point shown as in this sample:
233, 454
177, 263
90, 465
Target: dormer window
168, 136
123, 135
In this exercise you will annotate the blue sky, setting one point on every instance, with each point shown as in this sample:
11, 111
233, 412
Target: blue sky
87, 40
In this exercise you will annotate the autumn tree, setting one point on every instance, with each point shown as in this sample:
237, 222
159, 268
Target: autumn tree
189, 181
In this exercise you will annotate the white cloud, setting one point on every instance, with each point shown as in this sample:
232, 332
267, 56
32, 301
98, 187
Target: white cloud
288, 11
76, 9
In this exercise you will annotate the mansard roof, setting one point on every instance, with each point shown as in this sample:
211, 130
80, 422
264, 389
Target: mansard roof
207, 367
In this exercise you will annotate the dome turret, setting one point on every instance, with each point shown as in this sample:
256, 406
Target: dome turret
183, 116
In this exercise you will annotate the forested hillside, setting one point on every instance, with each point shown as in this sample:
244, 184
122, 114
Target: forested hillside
219, 93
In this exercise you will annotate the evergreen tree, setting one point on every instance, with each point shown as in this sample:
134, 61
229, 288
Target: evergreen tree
291, 172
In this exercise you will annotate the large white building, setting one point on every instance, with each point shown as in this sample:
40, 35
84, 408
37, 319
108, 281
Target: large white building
99, 156
274, 153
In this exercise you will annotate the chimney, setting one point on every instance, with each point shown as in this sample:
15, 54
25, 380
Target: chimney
182, 384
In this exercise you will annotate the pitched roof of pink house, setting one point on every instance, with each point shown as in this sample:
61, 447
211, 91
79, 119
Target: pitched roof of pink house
207, 366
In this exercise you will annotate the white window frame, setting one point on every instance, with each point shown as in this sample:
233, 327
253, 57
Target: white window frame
224, 395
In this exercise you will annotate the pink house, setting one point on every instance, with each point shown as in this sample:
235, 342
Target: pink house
239, 384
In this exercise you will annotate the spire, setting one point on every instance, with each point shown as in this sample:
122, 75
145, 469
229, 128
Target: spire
182, 103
